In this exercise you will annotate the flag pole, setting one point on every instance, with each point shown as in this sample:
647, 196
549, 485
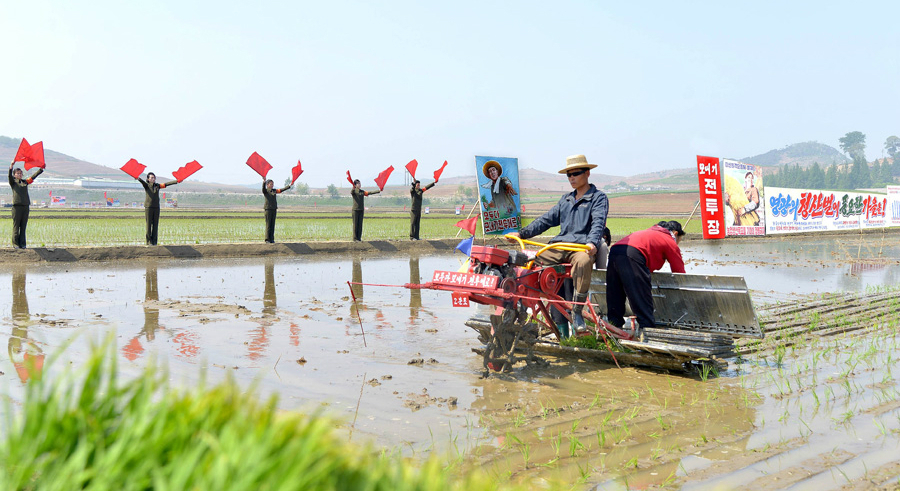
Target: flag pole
469, 216
692, 214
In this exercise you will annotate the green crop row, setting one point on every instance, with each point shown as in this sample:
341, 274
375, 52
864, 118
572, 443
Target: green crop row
101, 231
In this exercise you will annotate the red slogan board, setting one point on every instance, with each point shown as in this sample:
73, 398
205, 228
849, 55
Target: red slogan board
464, 279
711, 211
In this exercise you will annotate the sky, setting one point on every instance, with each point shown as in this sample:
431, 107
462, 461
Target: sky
355, 85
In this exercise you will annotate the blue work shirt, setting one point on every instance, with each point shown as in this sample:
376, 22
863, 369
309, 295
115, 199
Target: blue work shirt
580, 222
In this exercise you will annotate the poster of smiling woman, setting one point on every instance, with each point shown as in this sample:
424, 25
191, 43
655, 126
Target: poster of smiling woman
498, 187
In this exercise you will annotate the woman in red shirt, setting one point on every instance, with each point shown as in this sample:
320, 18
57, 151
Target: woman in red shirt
631, 260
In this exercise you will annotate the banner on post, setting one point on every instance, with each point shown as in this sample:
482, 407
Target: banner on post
805, 210
498, 185
711, 211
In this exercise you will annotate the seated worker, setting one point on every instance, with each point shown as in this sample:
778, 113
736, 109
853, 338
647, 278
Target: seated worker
581, 217
628, 273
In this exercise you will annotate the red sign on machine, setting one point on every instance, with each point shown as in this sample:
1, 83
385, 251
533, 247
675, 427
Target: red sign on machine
460, 299
474, 280
711, 210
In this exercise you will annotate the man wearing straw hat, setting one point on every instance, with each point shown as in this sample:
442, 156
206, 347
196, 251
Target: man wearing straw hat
581, 217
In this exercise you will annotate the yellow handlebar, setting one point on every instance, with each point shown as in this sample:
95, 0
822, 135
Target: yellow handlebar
565, 246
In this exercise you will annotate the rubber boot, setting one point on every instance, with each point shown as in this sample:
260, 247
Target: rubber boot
563, 328
577, 317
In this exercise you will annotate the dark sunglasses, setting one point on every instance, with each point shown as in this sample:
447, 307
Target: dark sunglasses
574, 174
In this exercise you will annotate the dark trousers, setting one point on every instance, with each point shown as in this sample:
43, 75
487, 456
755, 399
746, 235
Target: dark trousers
270, 226
414, 218
627, 276
357, 224
152, 217
20, 221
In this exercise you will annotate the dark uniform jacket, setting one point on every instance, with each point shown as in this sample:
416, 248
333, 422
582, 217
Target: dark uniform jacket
359, 197
580, 222
416, 196
271, 201
152, 199
20, 188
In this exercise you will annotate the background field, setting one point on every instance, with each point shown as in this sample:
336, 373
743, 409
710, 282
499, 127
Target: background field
79, 227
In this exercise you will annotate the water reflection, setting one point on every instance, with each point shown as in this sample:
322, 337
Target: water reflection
26, 354
415, 295
259, 337
357, 278
134, 348
270, 298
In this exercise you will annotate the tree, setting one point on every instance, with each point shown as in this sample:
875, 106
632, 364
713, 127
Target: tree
831, 177
854, 144
333, 191
865, 177
845, 180
301, 188
892, 145
875, 172
816, 176
886, 176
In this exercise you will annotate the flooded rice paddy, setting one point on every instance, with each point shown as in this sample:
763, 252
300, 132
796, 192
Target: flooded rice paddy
813, 405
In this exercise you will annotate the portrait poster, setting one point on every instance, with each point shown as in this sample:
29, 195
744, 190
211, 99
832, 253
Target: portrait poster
498, 188
744, 201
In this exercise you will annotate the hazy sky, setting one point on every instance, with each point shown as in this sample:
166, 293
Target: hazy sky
635, 86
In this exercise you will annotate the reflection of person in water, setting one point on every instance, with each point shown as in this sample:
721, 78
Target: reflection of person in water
501, 189
357, 278
415, 295
26, 355
270, 301
151, 314
259, 337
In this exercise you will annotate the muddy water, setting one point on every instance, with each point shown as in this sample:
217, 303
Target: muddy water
290, 326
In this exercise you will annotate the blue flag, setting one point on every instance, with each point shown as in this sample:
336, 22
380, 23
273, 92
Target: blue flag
466, 246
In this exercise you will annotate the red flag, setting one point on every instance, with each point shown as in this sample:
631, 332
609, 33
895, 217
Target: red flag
35, 156
24, 151
382, 178
295, 172
349, 178
133, 168
411, 167
437, 173
186, 170
259, 164
469, 224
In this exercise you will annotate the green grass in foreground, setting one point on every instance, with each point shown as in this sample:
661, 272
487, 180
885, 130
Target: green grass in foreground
97, 431
130, 231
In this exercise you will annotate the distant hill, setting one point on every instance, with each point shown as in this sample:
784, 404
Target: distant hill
62, 166
803, 154
59, 164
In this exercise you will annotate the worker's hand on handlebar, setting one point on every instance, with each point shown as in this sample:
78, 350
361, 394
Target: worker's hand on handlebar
593, 249
511, 237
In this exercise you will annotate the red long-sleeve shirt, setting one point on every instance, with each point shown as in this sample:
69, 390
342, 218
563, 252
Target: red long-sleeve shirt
658, 246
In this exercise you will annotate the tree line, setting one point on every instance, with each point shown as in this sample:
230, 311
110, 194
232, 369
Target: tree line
859, 174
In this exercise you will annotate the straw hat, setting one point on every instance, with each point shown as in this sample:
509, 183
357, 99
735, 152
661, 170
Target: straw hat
488, 165
576, 162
